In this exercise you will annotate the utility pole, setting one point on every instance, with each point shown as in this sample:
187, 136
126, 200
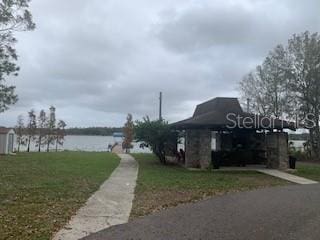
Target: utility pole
160, 106
248, 104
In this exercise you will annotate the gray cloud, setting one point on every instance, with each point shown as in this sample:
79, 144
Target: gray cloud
97, 61
235, 26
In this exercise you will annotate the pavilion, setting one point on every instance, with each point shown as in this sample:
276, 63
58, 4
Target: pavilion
240, 137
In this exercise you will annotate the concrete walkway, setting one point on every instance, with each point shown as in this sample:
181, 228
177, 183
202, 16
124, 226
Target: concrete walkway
286, 176
117, 149
110, 205
272, 172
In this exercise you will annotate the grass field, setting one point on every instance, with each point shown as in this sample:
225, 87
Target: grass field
160, 187
40, 191
308, 170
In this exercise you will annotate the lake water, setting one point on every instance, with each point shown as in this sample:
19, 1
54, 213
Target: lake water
100, 144
298, 144
89, 143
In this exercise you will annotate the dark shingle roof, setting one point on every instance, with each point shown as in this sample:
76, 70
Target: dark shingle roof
223, 113
219, 104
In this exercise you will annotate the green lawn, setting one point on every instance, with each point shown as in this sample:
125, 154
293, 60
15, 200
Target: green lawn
39, 192
308, 170
161, 186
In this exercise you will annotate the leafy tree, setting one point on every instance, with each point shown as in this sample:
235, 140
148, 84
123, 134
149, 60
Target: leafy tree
42, 122
31, 128
157, 135
60, 133
128, 131
289, 81
19, 129
14, 16
51, 125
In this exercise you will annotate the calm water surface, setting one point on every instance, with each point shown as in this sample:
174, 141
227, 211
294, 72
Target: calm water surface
90, 144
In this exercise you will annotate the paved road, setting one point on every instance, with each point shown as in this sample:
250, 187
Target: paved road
291, 212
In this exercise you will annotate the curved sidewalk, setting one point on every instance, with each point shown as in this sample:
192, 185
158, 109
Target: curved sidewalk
110, 205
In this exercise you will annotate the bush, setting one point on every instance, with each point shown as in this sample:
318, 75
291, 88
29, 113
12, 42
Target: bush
158, 136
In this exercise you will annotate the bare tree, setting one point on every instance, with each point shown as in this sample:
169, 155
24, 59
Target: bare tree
31, 128
51, 125
288, 81
267, 85
42, 124
60, 133
304, 53
19, 129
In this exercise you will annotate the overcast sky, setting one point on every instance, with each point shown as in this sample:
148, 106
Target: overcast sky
98, 60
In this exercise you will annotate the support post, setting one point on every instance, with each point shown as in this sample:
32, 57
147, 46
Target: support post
277, 150
198, 148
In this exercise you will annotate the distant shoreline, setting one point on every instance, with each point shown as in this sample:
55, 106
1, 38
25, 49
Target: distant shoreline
90, 131
90, 135
93, 131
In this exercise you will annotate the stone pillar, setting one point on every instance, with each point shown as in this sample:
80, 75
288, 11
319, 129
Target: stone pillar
198, 148
205, 148
277, 150
192, 149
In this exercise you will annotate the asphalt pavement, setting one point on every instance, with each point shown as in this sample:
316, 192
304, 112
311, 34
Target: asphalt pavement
290, 212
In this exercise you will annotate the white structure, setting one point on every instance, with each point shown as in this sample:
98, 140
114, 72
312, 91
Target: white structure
7, 136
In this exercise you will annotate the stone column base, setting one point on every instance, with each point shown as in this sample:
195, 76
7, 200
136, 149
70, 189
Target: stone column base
277, 150
198, 148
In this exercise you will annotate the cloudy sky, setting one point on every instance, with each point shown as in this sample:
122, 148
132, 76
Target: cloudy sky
98, 60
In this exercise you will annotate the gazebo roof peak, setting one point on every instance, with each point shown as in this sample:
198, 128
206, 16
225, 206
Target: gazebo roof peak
218, 104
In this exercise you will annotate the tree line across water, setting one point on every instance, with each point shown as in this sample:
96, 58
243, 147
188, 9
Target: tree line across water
93, 131
44, 130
